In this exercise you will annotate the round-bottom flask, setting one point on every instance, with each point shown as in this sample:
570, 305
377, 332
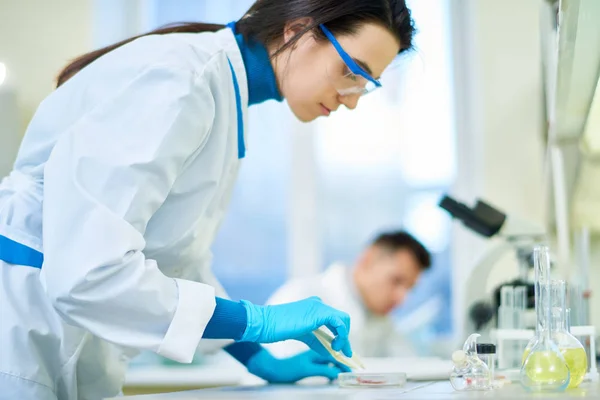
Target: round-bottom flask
544, 368
571, 348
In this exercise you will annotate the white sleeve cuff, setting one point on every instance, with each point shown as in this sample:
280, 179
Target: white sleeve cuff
195, 307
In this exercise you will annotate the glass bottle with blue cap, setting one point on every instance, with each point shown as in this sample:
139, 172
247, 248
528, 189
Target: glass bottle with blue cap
123, 177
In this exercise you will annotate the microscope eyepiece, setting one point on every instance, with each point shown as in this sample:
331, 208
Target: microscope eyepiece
483, 218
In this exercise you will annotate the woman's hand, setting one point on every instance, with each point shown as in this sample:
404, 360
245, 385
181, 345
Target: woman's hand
293, 369
268, 324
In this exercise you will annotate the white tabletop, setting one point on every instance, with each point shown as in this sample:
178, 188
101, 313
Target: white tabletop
201, 376
222, 370
412, 390
428, 379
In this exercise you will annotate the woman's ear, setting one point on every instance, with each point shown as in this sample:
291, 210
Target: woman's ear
295, 27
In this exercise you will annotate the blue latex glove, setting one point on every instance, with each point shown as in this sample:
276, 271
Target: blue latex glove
268, 324
293, 369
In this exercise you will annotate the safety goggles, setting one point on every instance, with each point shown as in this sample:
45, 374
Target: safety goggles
355, 80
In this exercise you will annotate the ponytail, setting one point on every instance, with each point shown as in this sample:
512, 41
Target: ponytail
81, 62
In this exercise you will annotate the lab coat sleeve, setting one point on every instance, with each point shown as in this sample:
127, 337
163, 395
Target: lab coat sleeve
104, 180
209, 278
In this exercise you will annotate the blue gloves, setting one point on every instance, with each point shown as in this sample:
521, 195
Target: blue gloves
293, 369
268, 324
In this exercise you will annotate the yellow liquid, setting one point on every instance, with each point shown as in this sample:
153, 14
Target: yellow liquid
546, 368
576, 359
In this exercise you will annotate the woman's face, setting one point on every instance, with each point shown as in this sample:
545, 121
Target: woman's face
312, 74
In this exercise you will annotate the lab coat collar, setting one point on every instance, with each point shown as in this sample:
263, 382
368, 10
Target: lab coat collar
262, 83
339, 272
224, 40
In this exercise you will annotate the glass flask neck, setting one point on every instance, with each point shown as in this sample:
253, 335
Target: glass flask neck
542, 291
543, 310
558, 299
558, 321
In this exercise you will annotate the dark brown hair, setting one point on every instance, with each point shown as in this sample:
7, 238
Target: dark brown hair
265, 22
400, 240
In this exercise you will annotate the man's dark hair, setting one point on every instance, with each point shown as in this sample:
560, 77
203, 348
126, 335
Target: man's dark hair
401, 240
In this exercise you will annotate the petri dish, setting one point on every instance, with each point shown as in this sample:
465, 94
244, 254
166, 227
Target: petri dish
371, 380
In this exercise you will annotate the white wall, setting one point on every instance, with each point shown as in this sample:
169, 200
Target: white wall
37, 38
500, 120
9, 128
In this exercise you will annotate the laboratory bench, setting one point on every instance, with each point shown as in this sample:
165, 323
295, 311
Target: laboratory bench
221, 370
214, 371
160, 379
226, 379
440, 390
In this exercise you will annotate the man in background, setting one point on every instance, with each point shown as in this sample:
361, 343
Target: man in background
369, 291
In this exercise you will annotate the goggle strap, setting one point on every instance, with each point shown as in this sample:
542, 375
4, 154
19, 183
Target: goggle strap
354, 67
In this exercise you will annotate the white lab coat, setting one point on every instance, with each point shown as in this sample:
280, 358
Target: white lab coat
370, 335
121, 181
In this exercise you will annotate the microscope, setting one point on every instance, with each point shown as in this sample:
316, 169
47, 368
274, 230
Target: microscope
518, 236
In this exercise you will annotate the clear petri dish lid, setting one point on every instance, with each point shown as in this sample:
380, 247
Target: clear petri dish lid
371, 380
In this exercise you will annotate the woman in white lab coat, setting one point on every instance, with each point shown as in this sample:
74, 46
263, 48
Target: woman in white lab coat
123, 177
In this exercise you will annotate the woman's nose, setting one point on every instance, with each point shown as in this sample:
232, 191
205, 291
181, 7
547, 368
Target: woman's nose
350, 101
